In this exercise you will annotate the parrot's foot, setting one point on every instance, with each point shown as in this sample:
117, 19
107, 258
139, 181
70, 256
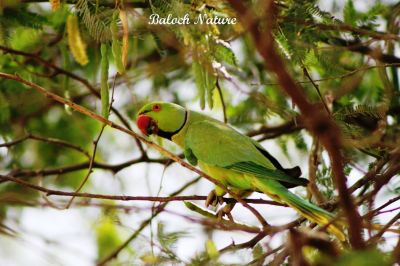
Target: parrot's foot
213, 199
226, 211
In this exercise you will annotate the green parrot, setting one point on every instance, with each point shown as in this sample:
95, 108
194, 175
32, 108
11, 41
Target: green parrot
234, 159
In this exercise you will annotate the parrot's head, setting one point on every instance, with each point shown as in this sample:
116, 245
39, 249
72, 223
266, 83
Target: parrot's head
161, 118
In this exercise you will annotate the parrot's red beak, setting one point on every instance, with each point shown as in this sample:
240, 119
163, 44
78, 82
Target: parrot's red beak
147, 125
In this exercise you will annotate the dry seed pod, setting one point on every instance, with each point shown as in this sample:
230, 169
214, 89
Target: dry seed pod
55, 4
125, 36
75, 42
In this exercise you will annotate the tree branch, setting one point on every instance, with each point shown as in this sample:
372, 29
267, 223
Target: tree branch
76, 167
274, 131
316, 120
47, 140
313, 161
248, 244
356, 46
50, 192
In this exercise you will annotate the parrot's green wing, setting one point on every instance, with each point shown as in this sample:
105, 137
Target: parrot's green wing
294, 172
217, 144
262, 172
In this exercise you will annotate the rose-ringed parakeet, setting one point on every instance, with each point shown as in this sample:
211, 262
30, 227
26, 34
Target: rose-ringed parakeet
234, 159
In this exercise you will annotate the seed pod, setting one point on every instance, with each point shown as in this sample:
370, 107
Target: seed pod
75, 42
55, 4
210, 81
65, 83
116, 44
104, 91
199, 79
2, 33
67, 108
125, 36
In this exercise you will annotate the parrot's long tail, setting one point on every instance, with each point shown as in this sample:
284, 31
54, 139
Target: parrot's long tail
308, 210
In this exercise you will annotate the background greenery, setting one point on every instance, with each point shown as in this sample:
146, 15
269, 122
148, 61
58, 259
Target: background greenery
344, 56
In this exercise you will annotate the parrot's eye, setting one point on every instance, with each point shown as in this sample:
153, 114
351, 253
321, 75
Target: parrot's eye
156, 107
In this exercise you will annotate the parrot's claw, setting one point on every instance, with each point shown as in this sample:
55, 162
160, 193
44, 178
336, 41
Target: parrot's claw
225, 211
213, 199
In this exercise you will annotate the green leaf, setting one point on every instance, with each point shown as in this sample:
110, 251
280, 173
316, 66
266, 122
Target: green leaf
25, 39
223, 53
300, 142
23, 17
107, 237
212, 250
257, 251
150, 259
168, 240
196, 208
350, 13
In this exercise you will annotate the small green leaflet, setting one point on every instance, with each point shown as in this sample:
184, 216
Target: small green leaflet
223, 53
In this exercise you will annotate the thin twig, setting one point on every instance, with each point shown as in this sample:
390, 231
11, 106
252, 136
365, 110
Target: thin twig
260, 260
350, 73
50, 192
14, 142
383, 179
280, 258
95, 144
383, 230
370, 214
368, 177
344, 28
221, 96
90, 169
143, 225
76, 167
48, 140
315, 85
248, 244
291, 126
